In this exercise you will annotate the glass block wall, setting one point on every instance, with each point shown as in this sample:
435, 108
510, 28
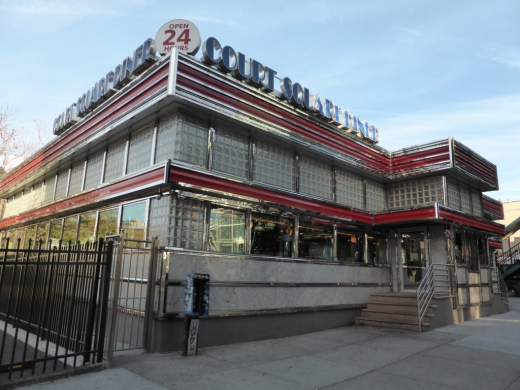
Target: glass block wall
36, 195
177, 222
465, 199
26, 200
61, 186
114, 162
184, 138
274, 165
76, 177
315, 177
94, 167
349, 189
48, 191
140, 149
231, 153
375, 196
476, 197
416, 192
453, 195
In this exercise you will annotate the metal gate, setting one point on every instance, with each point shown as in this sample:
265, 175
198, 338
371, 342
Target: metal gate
53, 306
130, 316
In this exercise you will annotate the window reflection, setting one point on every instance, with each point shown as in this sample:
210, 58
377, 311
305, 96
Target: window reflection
108, 222
87, 225
227, 230
41, 234
271, 235
30, 234
134, 222
70, 228
315, 241
55, 232
351, 246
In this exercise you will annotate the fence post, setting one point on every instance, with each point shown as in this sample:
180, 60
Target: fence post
150, 297
115, 302
104, 298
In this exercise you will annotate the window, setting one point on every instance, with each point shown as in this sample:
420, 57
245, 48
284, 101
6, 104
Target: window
350, 246
70, 228
55, 232
315, 241
227, 230
271, 235
108, 222
376, 249
465, 199
30, 235
134, 221
453, 195
87, 225
41, 234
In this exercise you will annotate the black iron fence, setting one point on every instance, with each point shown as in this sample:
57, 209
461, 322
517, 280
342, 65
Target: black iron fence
53, 305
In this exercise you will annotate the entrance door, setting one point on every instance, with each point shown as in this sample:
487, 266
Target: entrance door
414, 258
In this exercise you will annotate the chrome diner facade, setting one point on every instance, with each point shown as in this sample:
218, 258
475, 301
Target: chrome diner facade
283, 197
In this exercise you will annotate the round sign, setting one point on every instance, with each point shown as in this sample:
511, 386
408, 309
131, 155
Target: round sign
179, 33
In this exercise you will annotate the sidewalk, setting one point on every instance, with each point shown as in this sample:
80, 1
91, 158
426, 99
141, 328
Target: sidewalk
479, 354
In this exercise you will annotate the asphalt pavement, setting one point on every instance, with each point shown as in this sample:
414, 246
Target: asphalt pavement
478, 354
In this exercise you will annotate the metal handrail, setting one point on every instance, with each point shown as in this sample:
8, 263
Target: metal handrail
502, 285
438, 279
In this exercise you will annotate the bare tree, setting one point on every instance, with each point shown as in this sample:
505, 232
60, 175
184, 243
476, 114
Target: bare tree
16, 141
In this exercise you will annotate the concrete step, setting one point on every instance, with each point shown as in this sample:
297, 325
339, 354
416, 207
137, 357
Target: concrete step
402, 299
393, 317
393, 325
402, 309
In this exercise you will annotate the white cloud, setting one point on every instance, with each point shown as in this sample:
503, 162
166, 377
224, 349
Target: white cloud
510, 57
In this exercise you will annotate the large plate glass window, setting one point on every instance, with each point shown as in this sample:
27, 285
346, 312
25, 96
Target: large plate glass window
55, 232
87, 226
227, 230
30, 234
315, 240
376, 249
271, 235
70, 228
41, 234
134, 221
108, 222
350, 246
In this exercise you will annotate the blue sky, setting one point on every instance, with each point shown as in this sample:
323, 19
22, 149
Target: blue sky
418, 70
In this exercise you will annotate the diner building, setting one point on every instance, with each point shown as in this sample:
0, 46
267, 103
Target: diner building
284, 198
